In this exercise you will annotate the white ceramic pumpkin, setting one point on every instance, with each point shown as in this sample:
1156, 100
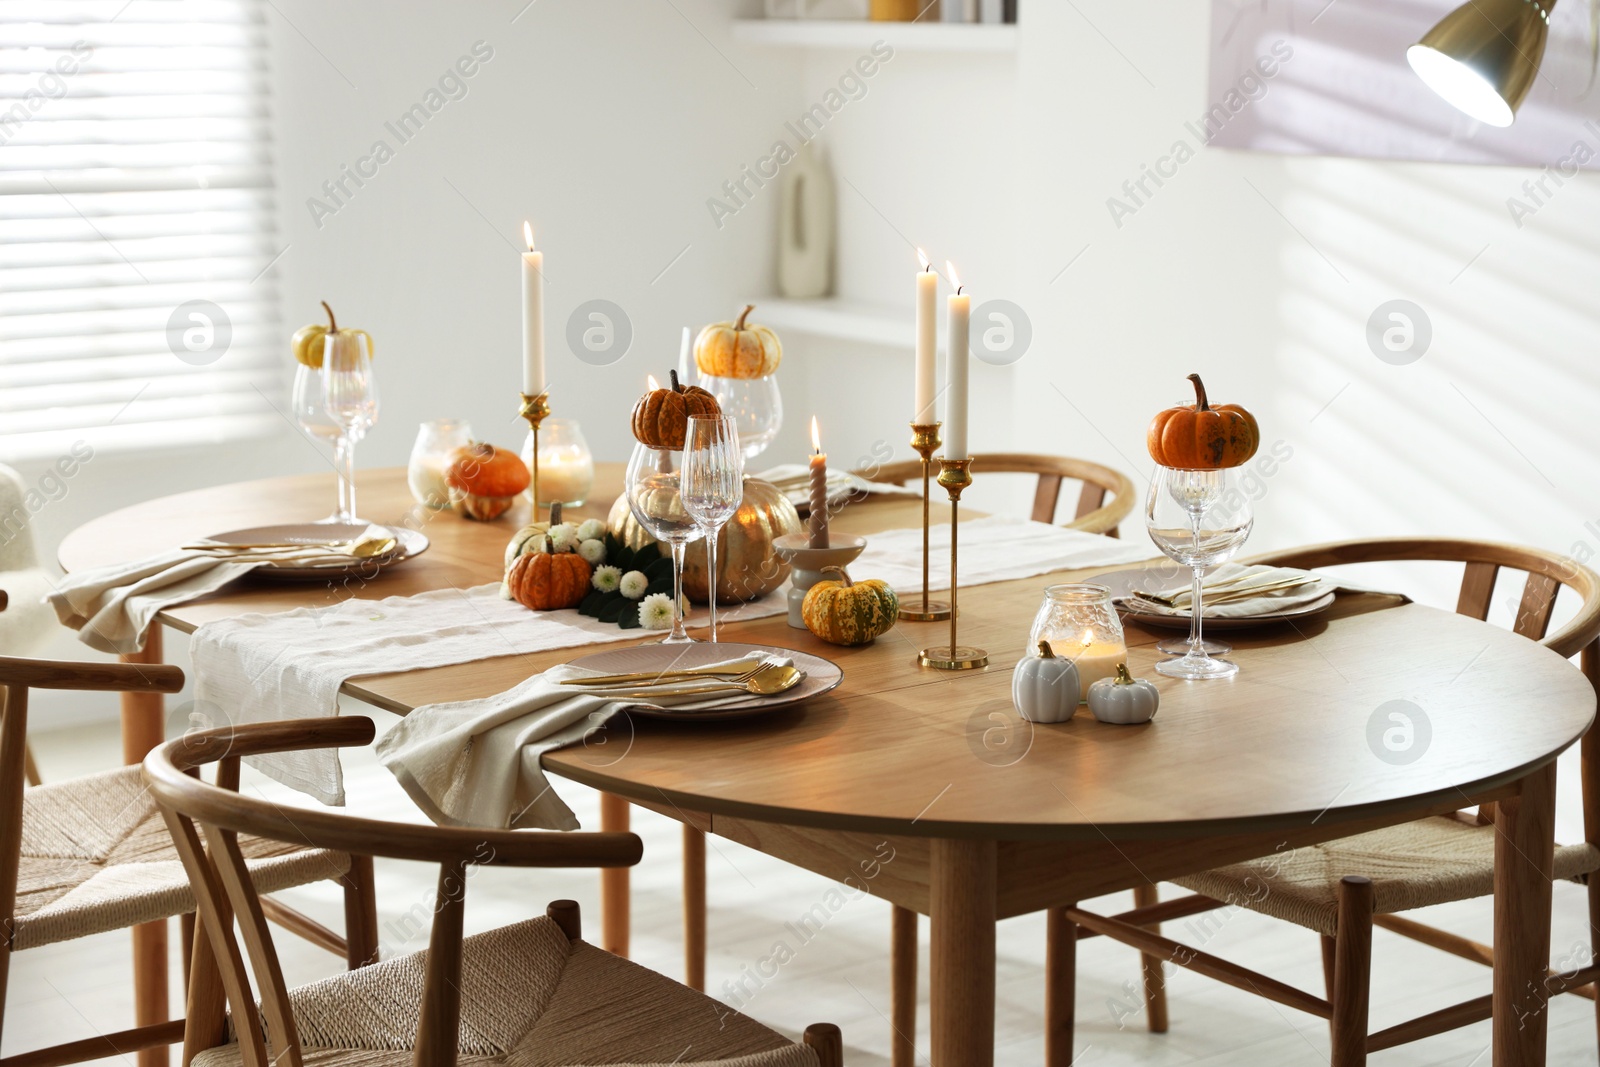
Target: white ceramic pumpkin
1044, 687
1124, 700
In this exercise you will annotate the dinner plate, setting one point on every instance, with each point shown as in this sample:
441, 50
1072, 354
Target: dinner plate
821, 675
1123, 583
408, 544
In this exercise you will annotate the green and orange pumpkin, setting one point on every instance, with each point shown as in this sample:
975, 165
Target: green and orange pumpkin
846, 612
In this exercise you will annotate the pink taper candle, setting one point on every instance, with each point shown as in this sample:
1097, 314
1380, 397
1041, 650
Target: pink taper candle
818, 522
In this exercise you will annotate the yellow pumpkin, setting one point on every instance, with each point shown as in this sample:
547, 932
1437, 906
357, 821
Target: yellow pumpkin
844, 612
737, 350
309, 341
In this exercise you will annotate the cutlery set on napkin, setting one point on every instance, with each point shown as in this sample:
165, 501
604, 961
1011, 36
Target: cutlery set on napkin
1239, 591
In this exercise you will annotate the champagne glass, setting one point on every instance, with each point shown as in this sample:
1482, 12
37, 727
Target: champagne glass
713, 485
652, 486
1198, 518
311, 415
350, 396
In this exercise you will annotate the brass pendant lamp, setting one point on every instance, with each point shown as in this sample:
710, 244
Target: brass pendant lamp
1483, 56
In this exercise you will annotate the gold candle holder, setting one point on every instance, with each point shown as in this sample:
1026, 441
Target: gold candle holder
925, 439
955, 475
534, 409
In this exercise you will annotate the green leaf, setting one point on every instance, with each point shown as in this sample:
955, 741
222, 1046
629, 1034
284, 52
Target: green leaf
591, 603
660, 585
662, 567
629, 620
613, 611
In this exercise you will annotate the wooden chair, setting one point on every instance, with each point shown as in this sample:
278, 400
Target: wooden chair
92, 854
533, 992
1342, 889
1094, 514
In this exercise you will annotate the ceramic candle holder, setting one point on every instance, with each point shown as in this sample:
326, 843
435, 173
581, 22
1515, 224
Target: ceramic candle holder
1081, 624
807, 564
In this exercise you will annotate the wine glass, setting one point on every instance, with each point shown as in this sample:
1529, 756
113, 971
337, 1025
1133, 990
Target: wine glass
755, 403
350, 396
713, 485
652, 486
311, 414
1199, 518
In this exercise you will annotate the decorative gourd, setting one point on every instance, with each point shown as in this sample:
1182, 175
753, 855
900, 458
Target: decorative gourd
846, 612
1201, 437
624, 527
1044, 688
748, 567
534, 537
1124, 700
737, 350
661, 417
309, 341
484, 481
549, 581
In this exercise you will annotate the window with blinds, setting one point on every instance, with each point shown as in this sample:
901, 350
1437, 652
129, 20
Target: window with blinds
137, 228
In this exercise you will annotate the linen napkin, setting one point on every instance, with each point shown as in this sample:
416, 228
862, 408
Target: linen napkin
476, 762
993, 549
111, 607
793, 480
1241, 591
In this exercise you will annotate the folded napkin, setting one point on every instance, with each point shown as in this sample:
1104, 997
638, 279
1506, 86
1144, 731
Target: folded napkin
111, 607
993, 549
476, 762
793, 480
1241, 591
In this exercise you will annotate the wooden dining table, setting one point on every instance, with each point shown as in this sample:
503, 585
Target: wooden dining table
927, 789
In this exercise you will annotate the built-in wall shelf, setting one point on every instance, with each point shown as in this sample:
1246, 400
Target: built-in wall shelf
844, 320
860, 34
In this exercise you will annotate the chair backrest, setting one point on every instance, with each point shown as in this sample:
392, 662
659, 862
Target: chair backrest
17, 550
225, 892
1094, 513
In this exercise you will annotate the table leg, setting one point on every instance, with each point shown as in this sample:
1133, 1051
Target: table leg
962, 914
694, 908
614, 903
903, 987
143, 728
1524, 843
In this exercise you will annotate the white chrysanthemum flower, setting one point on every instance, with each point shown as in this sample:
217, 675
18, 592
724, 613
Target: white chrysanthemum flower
634, 583
563, 537
592, 551
655, 611
592, 530
606, 579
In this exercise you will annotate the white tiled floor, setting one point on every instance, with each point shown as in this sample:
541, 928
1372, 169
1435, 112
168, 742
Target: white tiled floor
841, 975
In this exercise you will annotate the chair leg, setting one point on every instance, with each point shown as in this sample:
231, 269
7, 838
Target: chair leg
694, 908
1352, 972
206, 1010
1155, 979
360, 913
1329, 949
903, 987
1594, 936
5, 974
1060, 987
568, 917
30, 769
150, 1005
825, 1040
186, 928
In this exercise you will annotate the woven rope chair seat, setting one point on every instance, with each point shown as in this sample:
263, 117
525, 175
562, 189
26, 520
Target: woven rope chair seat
96, 856
529, 998
1414, 865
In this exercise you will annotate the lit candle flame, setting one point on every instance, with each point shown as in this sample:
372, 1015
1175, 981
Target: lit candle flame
955, 281
527, 234
1088, 638
654, 385
923, 256
816, 438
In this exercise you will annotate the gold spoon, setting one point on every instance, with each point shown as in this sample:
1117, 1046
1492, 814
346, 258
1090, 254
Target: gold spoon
768, 681
736, 671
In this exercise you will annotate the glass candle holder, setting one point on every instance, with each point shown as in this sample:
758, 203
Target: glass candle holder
566, 466
437, 441
1081, 624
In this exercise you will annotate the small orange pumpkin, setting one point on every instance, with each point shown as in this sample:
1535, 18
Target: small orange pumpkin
1201, 437
484, 480
661, 417
544, 581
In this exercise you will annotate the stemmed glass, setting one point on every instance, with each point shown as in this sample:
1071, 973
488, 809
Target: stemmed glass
652, 484
1199, 518
311, 413
755, 403
713, 485
350, 397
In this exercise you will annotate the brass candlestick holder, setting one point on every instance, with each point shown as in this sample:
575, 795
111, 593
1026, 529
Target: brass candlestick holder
955, 475
534, 409
925, 439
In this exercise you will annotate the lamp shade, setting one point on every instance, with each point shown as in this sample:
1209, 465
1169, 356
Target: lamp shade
1483, 56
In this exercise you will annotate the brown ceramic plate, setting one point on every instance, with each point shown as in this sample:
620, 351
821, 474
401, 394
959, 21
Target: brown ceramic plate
821, 675
1123, 583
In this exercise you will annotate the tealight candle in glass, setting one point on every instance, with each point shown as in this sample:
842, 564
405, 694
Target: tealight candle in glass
1081, 624
437, 442
566, 466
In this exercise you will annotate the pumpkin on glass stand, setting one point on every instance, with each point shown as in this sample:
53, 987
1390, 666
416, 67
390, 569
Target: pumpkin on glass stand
738, 363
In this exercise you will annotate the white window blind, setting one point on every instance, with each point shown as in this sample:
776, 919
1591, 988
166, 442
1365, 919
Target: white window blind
135, 179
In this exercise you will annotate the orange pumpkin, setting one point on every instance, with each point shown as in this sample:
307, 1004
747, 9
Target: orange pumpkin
1201, 437
484, 481
545, 581
661, 417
